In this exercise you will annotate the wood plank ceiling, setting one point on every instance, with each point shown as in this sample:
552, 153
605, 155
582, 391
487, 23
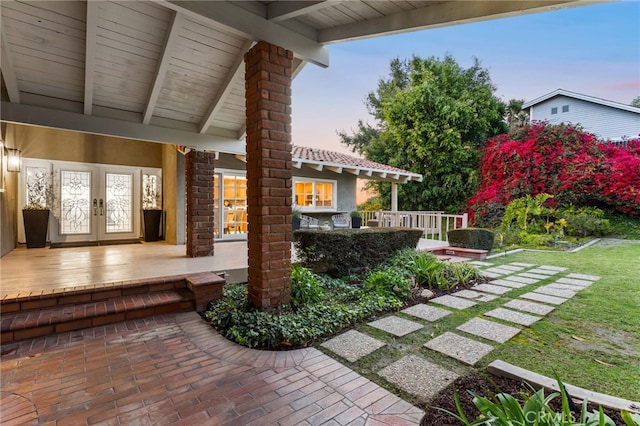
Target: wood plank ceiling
173, 71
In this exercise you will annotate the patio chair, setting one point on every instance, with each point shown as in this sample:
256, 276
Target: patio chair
341, 221
309, 222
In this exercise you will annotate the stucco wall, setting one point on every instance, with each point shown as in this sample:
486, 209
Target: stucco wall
52, 144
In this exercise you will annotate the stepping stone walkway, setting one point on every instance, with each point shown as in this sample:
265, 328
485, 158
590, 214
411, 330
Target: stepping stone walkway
424, 379
353, 345
461, 348
474, 295
512, 316
489, 330
426, 312
495, 289
396, 325
453, 302
532, 307
507, 283
418, 376
539, 297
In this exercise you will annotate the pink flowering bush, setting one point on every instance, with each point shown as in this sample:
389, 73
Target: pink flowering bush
560, 160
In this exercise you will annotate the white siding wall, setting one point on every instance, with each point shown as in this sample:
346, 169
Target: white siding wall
604, 121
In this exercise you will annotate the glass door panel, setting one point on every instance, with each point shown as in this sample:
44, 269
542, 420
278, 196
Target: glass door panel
119, 203
234, 214
75, 202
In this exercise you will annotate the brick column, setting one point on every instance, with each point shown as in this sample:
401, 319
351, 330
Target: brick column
200, 214
268, 99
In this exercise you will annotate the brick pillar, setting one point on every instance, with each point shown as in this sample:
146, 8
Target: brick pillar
268, 99
200, 214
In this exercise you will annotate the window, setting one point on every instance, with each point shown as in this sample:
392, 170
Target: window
314, 194
554, 110
565, 108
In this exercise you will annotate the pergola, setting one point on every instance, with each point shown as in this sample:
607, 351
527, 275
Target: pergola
213, 76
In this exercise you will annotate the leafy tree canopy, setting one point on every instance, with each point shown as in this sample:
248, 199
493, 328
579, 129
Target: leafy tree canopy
636, 102
432, 117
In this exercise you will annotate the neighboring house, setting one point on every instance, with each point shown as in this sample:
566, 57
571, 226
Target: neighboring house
606, 119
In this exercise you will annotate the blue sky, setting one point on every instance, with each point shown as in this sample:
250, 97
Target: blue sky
593, 50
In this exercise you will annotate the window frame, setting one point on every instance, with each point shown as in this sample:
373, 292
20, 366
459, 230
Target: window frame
314, 182
554, 110
565, 108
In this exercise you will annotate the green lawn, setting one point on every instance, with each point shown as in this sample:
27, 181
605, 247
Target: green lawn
593, 340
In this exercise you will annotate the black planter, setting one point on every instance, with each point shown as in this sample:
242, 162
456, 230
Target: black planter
295, 223
152, 221
356, 222
36, 223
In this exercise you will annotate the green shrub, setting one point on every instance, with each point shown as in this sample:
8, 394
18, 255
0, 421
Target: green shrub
472, 238
236, 320
585, 221
305, 287
389, 282
343, 251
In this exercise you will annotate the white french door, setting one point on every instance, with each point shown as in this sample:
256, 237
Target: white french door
96, 203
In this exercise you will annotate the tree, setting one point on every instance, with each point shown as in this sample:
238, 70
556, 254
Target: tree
636, 102
432, 117
516, 116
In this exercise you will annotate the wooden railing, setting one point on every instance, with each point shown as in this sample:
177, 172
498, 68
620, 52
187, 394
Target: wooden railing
435, 224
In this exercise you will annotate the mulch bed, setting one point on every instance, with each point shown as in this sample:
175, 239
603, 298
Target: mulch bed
486, 385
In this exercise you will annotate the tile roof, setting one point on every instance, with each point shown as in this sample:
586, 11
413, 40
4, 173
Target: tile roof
324, 157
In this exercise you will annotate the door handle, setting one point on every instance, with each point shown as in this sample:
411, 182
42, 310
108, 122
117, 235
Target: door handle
95, 207
101, 207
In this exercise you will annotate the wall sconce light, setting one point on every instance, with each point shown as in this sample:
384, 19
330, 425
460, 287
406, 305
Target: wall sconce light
14, 159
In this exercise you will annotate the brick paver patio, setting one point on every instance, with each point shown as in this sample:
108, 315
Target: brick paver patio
175, 369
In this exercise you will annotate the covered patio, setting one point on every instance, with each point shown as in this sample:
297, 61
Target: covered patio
194, 78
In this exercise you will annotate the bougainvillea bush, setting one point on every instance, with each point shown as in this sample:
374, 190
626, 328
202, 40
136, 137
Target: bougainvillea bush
560, 160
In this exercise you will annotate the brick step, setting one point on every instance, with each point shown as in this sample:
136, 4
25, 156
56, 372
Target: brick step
32, 323
25, 316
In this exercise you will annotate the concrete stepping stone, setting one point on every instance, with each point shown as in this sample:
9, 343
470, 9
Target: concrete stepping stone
453, 302
546, 272
426, 312
474, 295
495, 289
524, 265
491, 274
551, 291
396, 325
499, 270
533, 275
507, 283
573, 281
513, 316
353, 345
552, 268
511, 267
480, 263
574, 288
584, 277
539, 297
418, 376
532, 307
522, 280
461, 348
489, 330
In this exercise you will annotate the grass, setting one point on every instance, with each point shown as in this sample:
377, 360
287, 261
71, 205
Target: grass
591, 341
